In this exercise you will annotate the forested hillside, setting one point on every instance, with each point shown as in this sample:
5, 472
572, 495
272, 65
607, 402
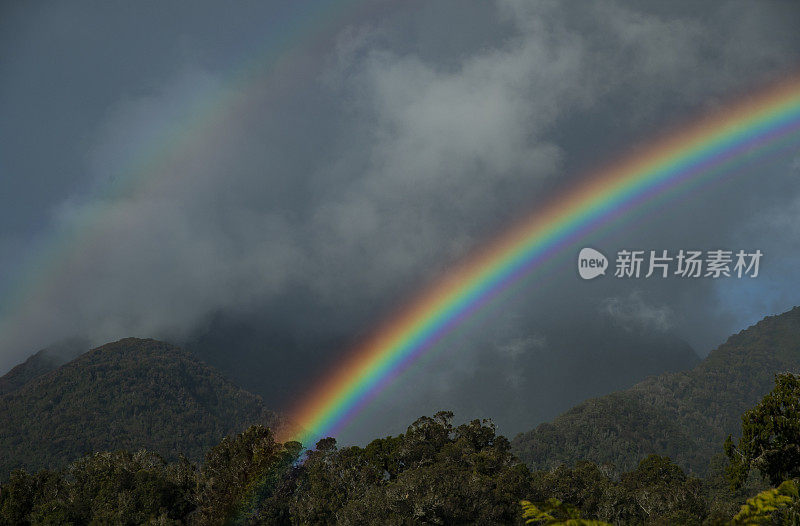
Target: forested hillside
685, 415
434, 473
41, 363
129, 394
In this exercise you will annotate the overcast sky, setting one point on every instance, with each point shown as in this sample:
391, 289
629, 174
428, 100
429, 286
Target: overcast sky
306, 169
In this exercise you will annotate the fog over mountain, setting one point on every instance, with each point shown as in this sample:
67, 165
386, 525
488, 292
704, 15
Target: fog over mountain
265, 185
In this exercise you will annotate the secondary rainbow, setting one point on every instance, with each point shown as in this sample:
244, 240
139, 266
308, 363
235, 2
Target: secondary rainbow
703, 151
291, 39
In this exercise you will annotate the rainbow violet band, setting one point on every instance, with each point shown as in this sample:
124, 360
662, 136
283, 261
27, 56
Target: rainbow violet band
709, 148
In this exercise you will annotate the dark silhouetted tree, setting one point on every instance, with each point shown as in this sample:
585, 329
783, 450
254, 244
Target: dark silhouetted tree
770, 439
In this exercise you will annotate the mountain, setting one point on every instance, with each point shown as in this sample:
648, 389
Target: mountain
128, 394
42, 362
684, 415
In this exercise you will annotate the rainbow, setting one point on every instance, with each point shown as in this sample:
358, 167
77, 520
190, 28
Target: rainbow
705, 150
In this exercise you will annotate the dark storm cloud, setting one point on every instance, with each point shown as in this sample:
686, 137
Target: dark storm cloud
324, 206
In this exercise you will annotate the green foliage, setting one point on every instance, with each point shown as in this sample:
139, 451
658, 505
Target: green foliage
130, 394
773, 506
434, 473
769, 505
660, 489
587, 486
723, 500
237, 484
553, 512
241, 473
104, 488
684, 416
770, 439
657, 491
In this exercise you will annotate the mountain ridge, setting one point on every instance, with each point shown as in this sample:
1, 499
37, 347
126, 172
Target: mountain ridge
129, 394
683, 415
42, 362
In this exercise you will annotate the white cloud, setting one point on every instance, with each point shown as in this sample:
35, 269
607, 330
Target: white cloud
512, 352
632, 312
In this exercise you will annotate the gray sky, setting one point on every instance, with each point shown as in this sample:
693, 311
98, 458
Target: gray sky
373, 146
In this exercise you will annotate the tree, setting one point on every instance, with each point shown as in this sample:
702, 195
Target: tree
102, 488
22, 493
777, 504
662, 492
656, 492
770, 439
434, 473
553, 512
241, 473
586, 486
